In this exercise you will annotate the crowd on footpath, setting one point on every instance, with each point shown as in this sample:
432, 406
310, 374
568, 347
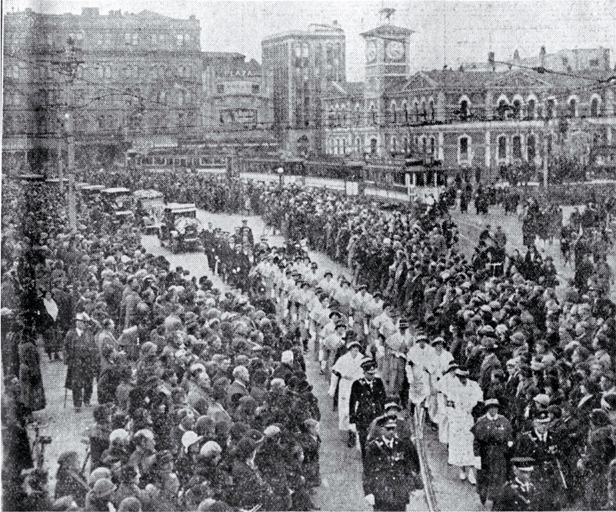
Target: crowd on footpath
200, 401
518, 382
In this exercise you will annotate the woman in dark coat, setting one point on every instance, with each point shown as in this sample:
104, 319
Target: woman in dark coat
30, 378
250, 488
69, 480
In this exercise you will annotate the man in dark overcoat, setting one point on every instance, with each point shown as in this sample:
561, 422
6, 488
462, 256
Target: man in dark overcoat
492, 442
366, 402
391, 468
540, 445
81, 357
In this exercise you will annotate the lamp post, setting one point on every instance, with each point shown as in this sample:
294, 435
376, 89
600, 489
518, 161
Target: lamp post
280, 172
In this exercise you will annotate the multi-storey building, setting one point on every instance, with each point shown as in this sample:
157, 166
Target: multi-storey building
299, 66
480, 120
234, 100
122, 77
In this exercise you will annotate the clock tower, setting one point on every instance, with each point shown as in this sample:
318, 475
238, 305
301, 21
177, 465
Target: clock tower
387, 57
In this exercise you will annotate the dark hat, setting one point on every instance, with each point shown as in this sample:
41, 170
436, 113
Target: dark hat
386, 422
335, 313
245, 447
368, 364
437, 340
492, 402
354, 344
392, 405
599, 418
523, 463
328, 273
362, 287
542, 417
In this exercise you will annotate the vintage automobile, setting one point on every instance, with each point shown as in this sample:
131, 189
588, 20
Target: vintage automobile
180, 229
92, 190
116, 199
149, 208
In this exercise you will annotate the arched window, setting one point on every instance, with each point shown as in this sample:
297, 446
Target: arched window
431, 110
432, 147
594, 107
405, 110
373, 114
181, 98
373, 146
502, 109
517, 109
393, 113
502, 147
550, 111
572, 108
394, 144
516, 146
531, 150
464, 149
416, 114
406, 145
531, 109
358, 145
162, 97
464, 110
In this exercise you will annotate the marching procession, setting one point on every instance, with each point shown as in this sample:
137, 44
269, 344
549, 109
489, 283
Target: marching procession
203, 400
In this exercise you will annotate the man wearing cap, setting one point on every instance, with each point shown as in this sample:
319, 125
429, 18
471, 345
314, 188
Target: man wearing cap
330, 345
539, 444
367, 401
493, 439
346, 370
391, 467
393, 410
81, 358
519, 493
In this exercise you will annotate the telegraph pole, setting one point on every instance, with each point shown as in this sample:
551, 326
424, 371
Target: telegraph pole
70, 65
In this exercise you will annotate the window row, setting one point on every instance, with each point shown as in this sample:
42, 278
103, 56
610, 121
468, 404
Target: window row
530, 109
508, 148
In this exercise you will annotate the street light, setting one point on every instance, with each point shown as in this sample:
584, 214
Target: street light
280, 172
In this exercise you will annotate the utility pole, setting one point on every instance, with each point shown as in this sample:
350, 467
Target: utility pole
70, 66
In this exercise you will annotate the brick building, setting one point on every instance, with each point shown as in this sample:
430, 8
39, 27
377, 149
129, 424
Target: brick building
137, 78
480, 120
298, 68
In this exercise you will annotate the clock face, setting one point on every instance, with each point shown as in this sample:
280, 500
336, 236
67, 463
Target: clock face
371, 51
395, 50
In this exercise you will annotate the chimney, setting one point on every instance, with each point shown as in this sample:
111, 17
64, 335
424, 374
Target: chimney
516, 55
542, 57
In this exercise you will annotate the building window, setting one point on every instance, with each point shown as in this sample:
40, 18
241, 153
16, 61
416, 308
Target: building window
594, 107
373, 146
220, 89
372, 114
531, 151
531, 108
572, 108
463, 147
406, 145
432, 147
517, 109
135, 39
516, 144
550, 112
394, 144
502, 147
503, 108
255, 88
464, 111
358, 145
594, 63
416, 105
431, 110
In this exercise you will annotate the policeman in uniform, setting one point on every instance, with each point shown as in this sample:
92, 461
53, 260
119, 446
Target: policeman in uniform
367, 401
519, 493
392, 410
540, 445
391, 468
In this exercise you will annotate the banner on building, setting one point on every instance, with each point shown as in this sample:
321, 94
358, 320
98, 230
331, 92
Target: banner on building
245, 116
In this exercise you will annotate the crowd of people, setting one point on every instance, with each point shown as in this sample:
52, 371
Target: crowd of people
203, 401
518, 382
